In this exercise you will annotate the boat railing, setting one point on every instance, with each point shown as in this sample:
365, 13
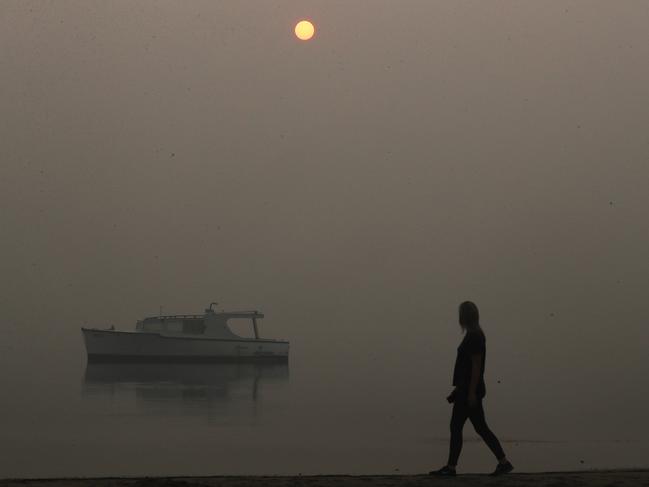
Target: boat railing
251, 314
174, 317
244, 312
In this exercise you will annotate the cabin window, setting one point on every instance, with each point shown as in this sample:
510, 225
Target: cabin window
175, 326
241, 327
194, 327
152, 326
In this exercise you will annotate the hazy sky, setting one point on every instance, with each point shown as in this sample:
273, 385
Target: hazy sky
414, 154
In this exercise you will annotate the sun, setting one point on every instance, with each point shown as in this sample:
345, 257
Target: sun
304, 30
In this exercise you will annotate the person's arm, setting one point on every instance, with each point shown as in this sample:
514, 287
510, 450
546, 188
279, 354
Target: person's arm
476, 365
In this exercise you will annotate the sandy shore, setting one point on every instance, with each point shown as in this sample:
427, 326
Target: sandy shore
602, 478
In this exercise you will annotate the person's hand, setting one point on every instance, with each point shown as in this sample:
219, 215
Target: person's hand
472, 399
451, 397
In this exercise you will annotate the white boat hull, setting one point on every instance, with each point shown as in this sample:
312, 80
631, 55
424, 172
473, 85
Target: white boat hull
111, 345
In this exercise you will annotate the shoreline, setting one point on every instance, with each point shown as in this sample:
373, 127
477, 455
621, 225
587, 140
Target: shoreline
596, 478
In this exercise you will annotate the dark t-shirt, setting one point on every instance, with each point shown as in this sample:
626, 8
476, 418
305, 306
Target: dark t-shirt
474, 343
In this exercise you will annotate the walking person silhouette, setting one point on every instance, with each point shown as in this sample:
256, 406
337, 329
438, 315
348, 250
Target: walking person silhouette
468, 379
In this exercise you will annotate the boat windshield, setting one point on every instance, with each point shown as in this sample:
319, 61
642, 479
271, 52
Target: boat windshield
187, 326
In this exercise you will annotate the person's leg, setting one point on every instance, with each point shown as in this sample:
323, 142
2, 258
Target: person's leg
458, 418
476, 415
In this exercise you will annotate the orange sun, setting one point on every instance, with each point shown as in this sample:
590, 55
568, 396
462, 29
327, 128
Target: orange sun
304, 30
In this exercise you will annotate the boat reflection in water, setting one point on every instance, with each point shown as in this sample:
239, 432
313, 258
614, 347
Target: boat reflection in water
184, 388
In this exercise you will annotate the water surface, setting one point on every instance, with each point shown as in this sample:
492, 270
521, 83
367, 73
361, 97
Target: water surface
321, 413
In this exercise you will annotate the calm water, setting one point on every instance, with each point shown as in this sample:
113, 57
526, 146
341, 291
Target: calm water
333, 411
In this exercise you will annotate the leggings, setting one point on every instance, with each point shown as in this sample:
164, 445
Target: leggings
462, 411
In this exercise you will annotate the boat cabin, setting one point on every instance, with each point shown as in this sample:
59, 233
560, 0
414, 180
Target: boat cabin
212, 324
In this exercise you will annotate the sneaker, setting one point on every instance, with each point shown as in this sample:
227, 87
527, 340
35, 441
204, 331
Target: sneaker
445, 471
502, 468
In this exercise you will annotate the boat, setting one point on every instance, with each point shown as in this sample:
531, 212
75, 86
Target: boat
184, 338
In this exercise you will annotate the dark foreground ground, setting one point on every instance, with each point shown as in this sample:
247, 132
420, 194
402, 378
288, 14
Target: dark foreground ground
622, 478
